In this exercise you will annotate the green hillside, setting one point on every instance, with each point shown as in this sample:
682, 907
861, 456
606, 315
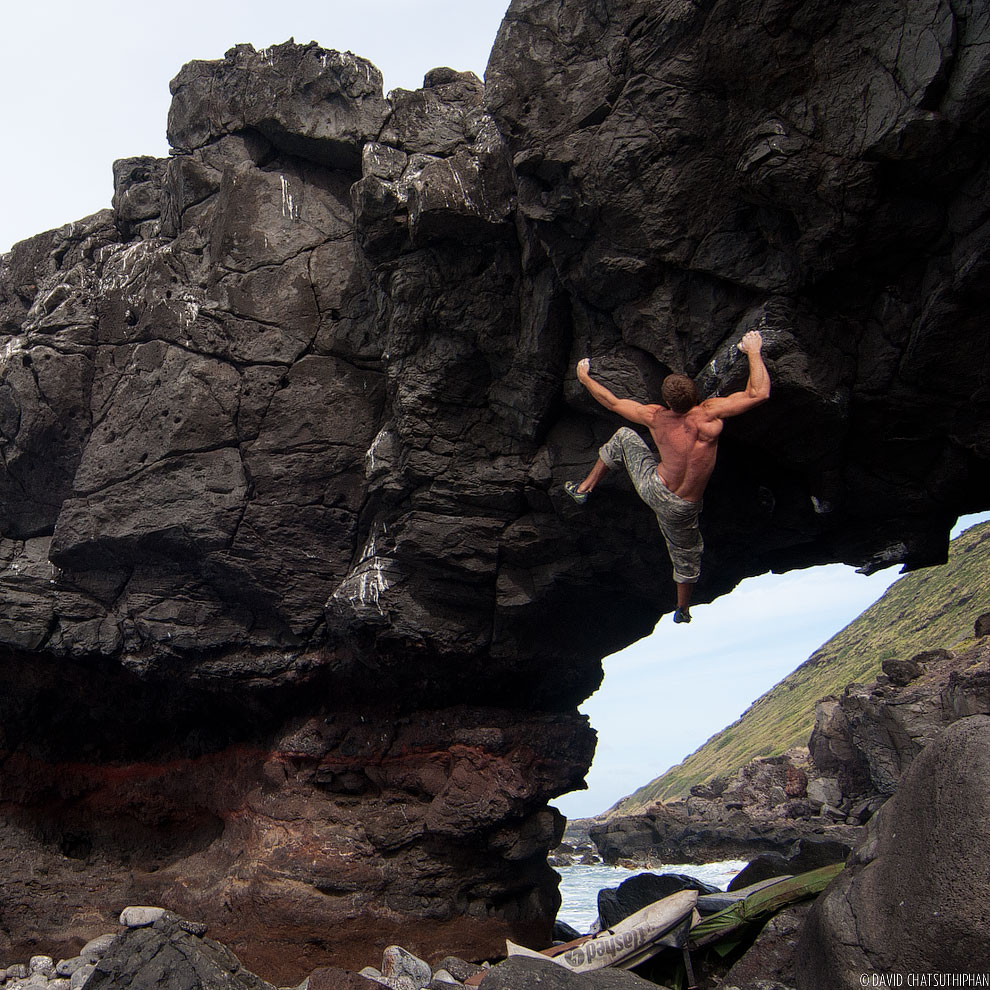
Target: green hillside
924, 610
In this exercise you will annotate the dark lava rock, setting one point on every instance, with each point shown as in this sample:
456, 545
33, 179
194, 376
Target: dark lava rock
919, 903
668, 834
901, 672
982, 625
287, 577
330, 978
807, 854
458, 968
770, 963
519, 973
165, 956
563, 932
868, 737
667, 242
616, 903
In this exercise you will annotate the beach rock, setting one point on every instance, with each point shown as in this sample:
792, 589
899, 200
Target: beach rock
392, 982
460, 969
80, 976
519, 973
442, 979
770, 963
636, 892
330, 978
563, 932
94, 949
139, 917
805, 855
42, 966
917, 906
397, 963
34, 981
164, 956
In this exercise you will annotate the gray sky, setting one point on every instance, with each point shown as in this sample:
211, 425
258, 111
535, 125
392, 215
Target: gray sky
86, 83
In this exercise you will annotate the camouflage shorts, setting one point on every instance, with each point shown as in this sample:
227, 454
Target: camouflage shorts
677, 517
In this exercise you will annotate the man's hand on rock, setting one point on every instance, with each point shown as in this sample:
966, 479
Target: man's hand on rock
583, 369
751, 343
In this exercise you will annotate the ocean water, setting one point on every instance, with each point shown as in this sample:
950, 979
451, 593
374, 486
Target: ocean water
579, 885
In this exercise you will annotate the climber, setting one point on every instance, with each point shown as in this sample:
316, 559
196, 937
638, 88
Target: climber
686, 433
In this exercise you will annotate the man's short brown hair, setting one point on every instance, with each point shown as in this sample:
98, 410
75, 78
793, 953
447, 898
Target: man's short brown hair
679, 393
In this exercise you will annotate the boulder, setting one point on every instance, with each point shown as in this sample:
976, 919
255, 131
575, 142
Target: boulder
165, 956
901, 672
42, 966
397, 963
805, 855
460, 969
636, 892
522, 973
140, 917
824, 790
771, 961
563, 932
331, 978
918, 905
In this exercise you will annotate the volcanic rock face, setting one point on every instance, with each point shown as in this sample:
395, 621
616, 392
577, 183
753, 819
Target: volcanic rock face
295, 617
692, 166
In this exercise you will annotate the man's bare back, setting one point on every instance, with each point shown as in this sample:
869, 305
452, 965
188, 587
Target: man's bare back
687, 445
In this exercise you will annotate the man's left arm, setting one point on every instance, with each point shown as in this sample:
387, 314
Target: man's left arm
757, 389
629, 409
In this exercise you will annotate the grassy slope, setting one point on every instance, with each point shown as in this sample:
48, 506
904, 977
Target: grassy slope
924, 610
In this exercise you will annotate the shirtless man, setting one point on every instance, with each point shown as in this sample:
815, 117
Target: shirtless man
686, 434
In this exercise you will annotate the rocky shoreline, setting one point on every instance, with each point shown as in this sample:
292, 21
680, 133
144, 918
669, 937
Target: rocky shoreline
824, 794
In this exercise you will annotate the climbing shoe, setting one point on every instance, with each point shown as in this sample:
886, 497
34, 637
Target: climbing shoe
682, 615
571, 487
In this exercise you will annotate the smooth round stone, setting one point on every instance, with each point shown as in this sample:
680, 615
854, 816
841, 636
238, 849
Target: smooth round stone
93, 950
42, 965
140, 917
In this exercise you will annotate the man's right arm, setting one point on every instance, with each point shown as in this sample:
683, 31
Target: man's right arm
629, 409
757, 389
